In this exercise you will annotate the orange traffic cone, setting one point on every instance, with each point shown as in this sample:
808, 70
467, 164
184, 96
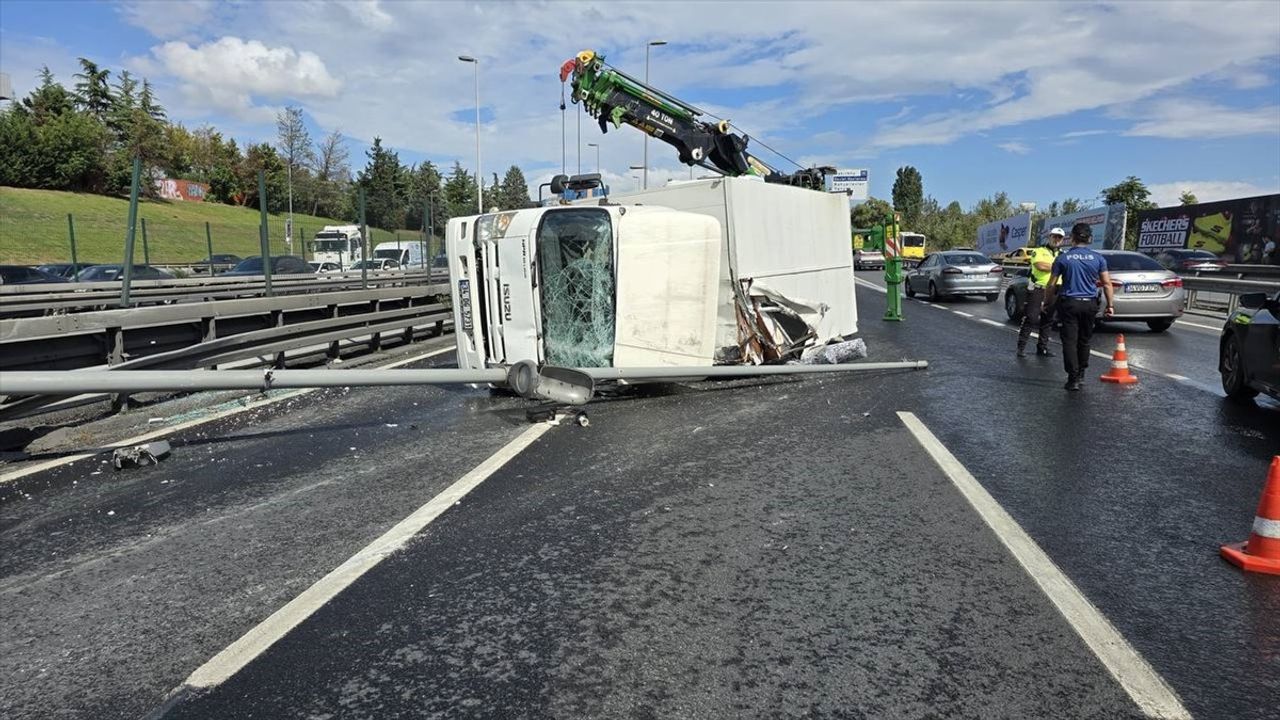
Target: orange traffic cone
1262, 552
1119, 372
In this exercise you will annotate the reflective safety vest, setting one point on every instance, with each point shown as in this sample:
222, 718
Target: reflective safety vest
1045, 255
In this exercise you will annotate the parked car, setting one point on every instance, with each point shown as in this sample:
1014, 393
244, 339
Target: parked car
377, 264
1144, 291
109, 273
868, 260
66, 271
22, 275
951, 273
1249, 348
280, 265
221, 259
325, 267
1187, 260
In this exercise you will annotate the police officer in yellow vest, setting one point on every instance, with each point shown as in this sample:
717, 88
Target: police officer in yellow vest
1036, 315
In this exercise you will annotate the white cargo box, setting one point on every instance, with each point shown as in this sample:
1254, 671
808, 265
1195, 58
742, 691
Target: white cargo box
789, 242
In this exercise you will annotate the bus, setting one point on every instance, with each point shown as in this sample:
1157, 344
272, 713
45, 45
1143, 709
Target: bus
912, 245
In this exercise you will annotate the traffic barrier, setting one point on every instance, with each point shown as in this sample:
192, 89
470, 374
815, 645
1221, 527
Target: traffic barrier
1261, 553
1119, 372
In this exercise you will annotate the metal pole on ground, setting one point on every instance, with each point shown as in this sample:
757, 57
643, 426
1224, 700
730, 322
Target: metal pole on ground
130, 230
364, 245
424, 244
208, 240
263, 240
146, 251
71, 233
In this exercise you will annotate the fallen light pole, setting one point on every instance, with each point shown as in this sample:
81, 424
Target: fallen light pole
561, 385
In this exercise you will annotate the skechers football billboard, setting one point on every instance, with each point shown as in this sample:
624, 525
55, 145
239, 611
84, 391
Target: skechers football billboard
1239, 231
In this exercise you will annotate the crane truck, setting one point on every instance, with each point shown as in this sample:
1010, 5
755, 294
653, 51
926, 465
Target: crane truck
747, 268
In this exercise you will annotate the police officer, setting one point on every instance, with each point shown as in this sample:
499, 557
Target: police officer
1037, 314
1081, 270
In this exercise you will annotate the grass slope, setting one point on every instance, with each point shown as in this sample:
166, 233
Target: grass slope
33, 228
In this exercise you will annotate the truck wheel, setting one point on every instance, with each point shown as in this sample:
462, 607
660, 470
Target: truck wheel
1232, 369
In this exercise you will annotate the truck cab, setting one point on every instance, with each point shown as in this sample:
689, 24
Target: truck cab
340, 244
608, 286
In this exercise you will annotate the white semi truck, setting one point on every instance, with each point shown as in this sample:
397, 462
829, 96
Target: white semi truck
729, 270
341, 244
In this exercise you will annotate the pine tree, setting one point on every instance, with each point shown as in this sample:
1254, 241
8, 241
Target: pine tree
93, 94
515, 191
384, 184
908, 195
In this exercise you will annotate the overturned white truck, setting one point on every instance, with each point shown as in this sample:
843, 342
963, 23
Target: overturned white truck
699, 273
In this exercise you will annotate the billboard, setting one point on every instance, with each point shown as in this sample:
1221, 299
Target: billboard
191, 191
851, 182
1004, 235
1107, 223
1240, 231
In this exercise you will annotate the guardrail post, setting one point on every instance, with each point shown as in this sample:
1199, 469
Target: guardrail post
263, 240
335, 350
129, 234
115, 356
375, 340
146, 251
209, 328
71, 233
208, 240
364, 246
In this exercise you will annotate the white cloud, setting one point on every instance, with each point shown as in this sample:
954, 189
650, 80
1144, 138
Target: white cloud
1166, 194
1015, 147
231, 73
1188, 118
168, 19
1084, 133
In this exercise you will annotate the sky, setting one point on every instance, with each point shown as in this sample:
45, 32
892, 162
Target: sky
1042, 100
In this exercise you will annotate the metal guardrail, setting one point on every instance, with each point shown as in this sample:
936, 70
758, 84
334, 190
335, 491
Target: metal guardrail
47, 299
1231, 287
201, 335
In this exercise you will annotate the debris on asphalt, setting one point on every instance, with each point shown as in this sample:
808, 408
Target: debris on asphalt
835, 353
140, 455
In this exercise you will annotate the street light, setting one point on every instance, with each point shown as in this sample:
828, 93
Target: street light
597, 147
479, 174
652, 43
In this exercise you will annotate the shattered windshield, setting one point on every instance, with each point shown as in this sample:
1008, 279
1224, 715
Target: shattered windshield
575, 258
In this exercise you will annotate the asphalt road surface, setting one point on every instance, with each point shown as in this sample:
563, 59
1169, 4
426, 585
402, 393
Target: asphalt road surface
765, 549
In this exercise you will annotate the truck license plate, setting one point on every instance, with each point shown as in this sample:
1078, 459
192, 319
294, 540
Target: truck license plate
464, 304
1141, 288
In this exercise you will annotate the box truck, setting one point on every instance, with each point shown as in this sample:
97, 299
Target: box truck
716, 271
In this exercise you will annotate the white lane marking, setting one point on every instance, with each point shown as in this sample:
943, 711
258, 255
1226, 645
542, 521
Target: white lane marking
253, 643
1179, 378
1180, 322
989, 321
962, 313
871, 285
169, 430
1144, 685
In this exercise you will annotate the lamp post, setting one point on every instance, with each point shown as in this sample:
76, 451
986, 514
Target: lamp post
651, 43
479, 174
597, 147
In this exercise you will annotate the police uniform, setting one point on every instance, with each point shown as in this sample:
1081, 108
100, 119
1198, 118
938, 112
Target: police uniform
1035, 315
1079, 270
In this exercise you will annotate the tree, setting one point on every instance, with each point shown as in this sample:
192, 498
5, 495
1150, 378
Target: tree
1072, 205
93, 94
385, 187
872, 212
48, 100
1187, 198
1136, 197
908, 195
424, 187
459, 194
332, 175
265, 158
514, 193
294, 143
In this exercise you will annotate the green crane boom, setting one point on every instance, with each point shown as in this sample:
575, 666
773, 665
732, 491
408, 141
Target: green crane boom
613, 97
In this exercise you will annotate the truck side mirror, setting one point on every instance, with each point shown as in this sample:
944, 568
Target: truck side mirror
557, 184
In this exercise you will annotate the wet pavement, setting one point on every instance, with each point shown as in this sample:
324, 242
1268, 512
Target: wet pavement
776, 548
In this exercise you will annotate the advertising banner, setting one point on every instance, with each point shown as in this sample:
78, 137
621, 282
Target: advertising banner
188, 190
852, 182
1107, 223
1001, 236
1239, 231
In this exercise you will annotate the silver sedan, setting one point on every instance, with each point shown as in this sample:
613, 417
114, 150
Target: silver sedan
956, 272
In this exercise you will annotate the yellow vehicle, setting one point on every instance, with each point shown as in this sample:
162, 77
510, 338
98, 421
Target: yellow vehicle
912, 245
1017, 256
